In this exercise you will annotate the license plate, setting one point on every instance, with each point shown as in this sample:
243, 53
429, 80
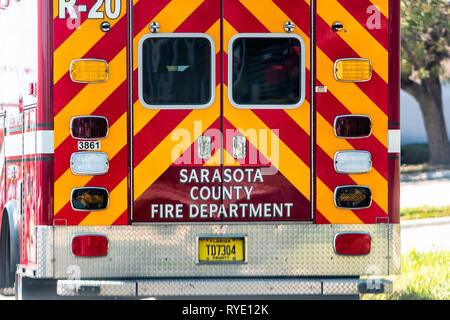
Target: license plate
221, 249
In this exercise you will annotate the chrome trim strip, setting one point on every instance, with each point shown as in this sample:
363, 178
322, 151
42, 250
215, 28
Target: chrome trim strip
130, 109
219, 287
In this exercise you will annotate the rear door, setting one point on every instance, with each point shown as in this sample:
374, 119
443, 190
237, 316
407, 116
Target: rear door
203, 152
176, 110
266, 107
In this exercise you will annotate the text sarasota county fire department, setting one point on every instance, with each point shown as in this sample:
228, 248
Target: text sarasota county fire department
234, 185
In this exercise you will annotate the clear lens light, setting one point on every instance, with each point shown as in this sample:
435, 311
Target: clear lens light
204, 147
89, 163
239, 147
352, 161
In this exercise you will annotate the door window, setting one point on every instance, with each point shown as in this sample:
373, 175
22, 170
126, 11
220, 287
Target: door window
176, 71
266, 71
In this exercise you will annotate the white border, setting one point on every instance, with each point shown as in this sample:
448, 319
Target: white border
302, 71
394, 141
178, 35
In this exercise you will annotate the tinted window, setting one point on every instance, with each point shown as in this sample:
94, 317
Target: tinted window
176, 71
266, 71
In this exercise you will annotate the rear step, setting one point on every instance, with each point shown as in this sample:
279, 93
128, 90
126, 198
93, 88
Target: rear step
221, 287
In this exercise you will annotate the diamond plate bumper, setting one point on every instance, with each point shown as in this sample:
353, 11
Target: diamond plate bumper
170, 251
220, 287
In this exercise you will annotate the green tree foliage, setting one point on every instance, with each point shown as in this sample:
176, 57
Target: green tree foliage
425, 46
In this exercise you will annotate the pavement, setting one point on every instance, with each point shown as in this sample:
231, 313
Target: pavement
434, 193
425, 235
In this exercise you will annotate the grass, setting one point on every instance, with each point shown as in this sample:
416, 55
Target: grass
425, 276
424, 212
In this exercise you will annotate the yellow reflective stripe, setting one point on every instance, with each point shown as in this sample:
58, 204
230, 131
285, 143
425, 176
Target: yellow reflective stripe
143, 115
348, 94
357, 37
55, 8
160, 159
328, 142
215, 33
352, 97
92, 96
292, 168
118, 202
111, 145
302, 116
80, 42
170, 18
228, 32
383, 6
273, 18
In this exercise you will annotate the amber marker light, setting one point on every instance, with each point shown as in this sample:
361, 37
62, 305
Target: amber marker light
89, 199
353, 70
352, 197
89, 71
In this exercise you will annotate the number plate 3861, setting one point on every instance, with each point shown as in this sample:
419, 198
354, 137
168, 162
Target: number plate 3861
88, 145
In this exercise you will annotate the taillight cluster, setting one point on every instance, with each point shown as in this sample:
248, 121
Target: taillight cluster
352, 161
89, 163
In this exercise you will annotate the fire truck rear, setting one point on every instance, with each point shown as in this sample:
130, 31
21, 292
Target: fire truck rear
173, 148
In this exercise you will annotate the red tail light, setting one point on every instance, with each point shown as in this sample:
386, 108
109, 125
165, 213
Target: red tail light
90, 245
351, 126
89, 127
352, 243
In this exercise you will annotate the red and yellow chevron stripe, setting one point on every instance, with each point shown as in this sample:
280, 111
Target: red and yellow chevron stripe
154, 163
